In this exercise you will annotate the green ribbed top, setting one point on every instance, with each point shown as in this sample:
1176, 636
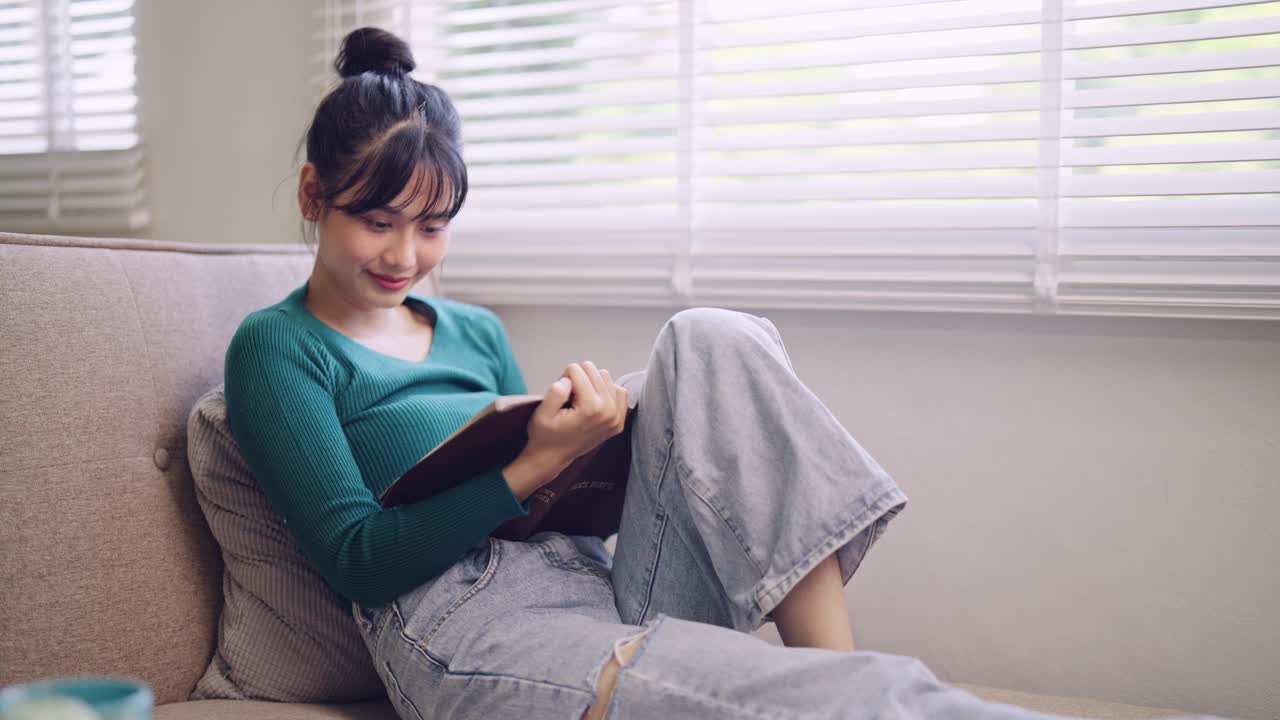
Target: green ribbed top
326, 424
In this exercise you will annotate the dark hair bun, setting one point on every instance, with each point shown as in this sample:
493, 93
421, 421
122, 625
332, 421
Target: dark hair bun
371, 49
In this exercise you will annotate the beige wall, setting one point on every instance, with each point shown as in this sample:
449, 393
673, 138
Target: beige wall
1092, 501
226, 96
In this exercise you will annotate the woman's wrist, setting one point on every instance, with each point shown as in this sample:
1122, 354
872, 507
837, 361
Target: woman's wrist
530, 471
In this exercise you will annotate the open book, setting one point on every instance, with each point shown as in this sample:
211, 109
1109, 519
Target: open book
584, 499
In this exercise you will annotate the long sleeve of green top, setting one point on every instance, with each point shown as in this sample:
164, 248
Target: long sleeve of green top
326, 423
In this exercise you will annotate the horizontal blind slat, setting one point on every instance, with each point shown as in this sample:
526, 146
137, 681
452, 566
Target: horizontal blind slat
535, 127
852, 55
1228, 60
1186, 153
868, 188
467, 39
1091, 11
908, 135
1083, 212
547, 103
1168, 183
1168, 124
551, 173
506, 13
716, 87
1163, 95
1172, 33
593, 196
853, 111
817, 163
503, 152
516, 59
769, 11
924, 215
714, 38
461, 86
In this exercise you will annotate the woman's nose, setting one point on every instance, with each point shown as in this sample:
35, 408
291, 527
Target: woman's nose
399, 253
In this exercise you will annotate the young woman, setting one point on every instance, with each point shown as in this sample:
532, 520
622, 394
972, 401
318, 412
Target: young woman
747, 501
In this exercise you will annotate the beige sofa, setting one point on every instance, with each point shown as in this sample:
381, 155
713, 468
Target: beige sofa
106, 564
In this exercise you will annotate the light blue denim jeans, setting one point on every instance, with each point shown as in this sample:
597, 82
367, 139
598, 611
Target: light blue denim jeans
741, 482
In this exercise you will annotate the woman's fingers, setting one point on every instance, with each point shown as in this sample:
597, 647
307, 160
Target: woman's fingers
621, 394
608, 405
585, 395
597, 380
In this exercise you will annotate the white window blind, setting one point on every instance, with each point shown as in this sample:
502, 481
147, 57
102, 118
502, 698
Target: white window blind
70, 151
1006, 156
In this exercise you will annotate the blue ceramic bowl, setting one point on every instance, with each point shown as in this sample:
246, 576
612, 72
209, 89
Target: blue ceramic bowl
113, 698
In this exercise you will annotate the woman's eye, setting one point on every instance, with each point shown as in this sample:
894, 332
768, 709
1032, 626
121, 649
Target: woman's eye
430, 230
377, 224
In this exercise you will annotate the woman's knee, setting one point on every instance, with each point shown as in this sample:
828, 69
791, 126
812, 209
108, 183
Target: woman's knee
714, 327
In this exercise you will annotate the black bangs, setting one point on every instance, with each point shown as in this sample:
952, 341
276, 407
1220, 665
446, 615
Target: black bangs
407, 153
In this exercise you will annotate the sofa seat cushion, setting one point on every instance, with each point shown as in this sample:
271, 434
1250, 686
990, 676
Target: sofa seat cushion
284, 635
1069, 706
260, 710
382, 709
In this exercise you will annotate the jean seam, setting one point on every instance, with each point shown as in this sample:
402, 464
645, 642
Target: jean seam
400, 696
653, 572
569, 565
412, 644
362, 625
891, 496
373, 629
491, 569
514, 678
662, 527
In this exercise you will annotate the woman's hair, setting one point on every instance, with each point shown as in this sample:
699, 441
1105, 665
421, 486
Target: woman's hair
379, 127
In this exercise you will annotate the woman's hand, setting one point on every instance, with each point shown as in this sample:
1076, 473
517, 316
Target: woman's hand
597, 412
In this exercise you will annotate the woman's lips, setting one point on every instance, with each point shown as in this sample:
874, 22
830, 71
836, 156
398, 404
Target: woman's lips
390, 283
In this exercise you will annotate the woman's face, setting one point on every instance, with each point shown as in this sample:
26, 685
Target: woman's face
356, 250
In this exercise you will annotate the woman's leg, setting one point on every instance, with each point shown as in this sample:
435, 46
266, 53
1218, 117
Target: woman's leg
742, 485
726, 454
813, 614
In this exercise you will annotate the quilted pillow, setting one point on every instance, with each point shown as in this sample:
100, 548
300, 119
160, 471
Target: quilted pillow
284, 634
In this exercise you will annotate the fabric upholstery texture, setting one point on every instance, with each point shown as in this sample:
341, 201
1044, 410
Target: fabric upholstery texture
106, 564
259, 710
284, 635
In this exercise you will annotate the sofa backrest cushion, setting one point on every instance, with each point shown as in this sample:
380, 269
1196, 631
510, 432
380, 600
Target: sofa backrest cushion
284, 634
106, 563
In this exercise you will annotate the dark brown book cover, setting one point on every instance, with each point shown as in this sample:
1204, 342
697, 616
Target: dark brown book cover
584, 499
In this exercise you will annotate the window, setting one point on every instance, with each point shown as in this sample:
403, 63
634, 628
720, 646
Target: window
70, 151
981, 155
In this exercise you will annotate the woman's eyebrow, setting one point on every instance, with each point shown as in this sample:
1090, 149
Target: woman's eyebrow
395, 211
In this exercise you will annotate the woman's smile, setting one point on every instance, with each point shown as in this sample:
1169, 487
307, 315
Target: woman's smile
389, 282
